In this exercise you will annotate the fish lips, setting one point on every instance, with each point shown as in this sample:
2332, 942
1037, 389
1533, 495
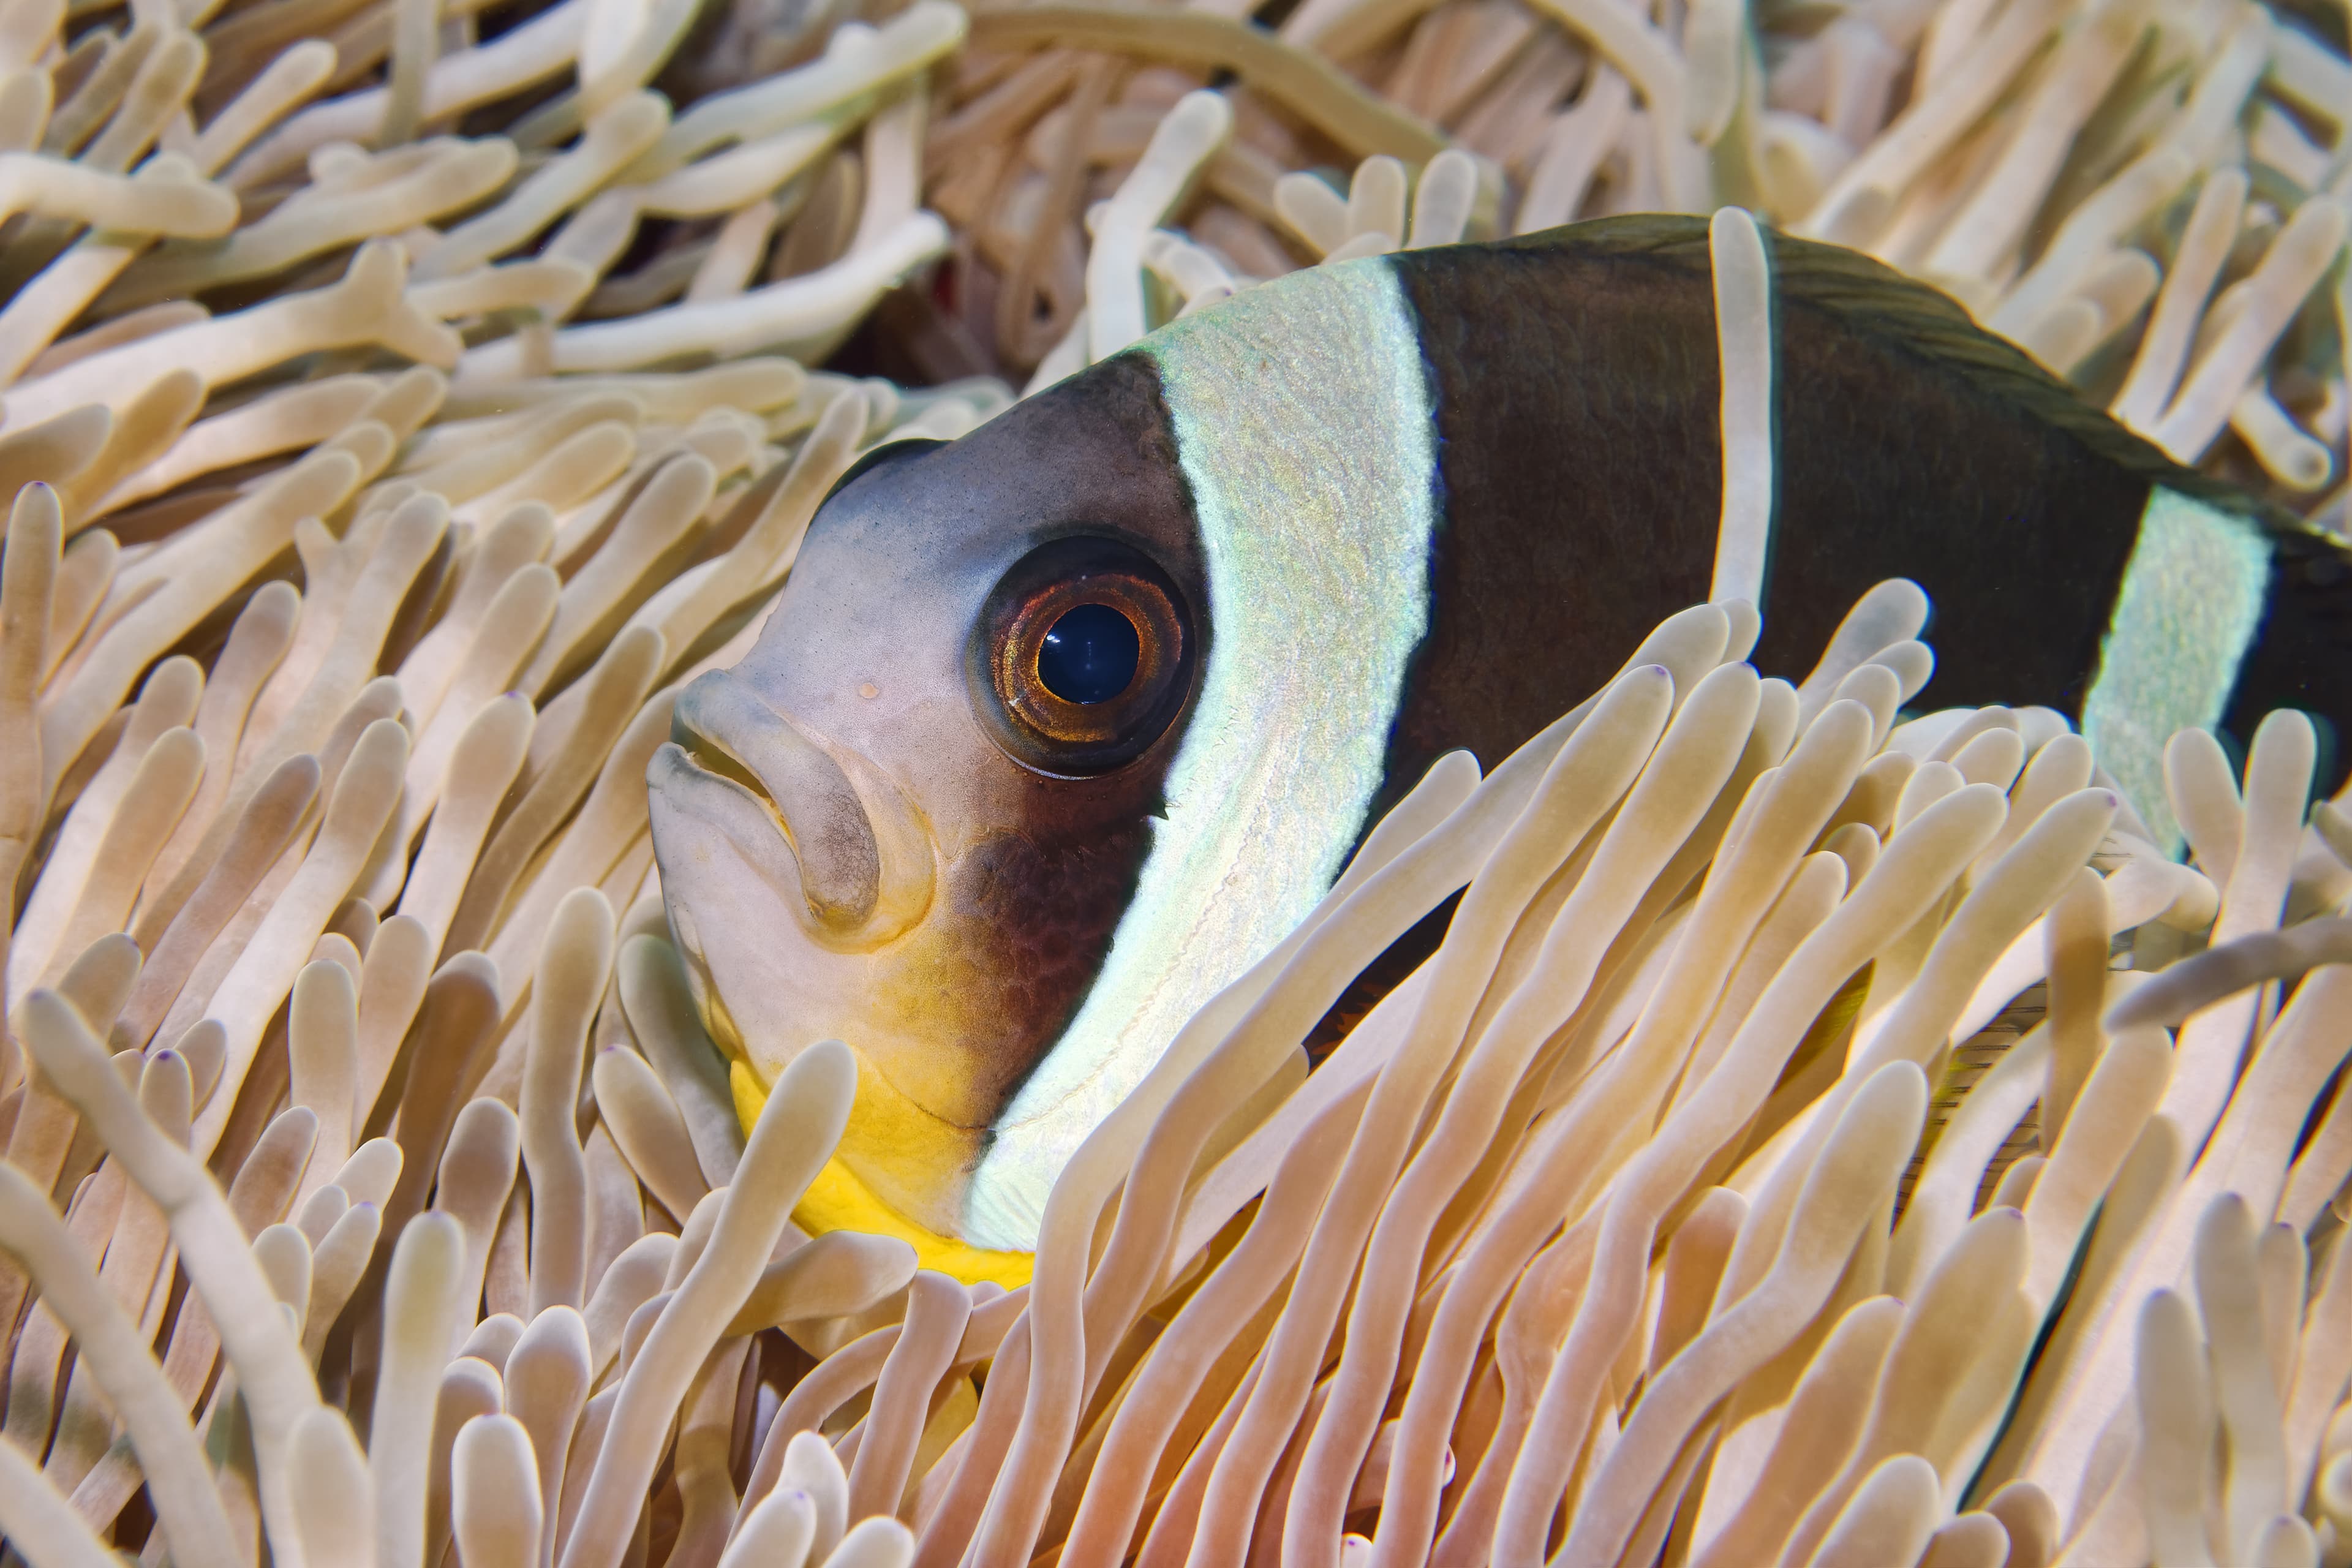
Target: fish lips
860, 865
717, 847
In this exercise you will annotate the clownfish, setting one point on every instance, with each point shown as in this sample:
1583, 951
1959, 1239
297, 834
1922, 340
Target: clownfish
1058, 727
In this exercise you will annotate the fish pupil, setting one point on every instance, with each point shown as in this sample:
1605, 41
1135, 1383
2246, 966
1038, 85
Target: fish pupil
1090, 655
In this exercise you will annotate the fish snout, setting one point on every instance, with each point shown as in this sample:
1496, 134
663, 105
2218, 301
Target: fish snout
864, 850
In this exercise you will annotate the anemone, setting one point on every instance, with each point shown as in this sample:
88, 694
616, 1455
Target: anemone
1829, 1134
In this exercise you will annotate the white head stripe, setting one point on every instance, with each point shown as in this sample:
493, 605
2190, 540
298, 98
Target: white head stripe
1303, 424
2191, 599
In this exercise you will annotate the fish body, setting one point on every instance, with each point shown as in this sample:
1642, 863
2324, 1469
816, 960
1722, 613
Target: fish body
1348, 522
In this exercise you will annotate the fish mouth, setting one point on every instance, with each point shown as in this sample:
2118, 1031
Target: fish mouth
862, 852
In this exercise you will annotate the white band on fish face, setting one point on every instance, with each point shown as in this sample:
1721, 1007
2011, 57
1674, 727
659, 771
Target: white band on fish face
1303, 417
2191, 601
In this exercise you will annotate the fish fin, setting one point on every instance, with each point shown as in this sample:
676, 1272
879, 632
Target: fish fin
837, 1200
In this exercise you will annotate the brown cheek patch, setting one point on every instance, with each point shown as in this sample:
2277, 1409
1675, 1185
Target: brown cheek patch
1025, 926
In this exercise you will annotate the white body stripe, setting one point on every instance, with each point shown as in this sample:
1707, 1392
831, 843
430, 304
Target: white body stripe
1304, 426
2191, 603
1744, 348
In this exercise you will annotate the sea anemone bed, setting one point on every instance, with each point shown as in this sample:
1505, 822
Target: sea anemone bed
1832, 1132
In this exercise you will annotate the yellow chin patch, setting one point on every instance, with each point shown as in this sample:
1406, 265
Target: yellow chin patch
837, 1200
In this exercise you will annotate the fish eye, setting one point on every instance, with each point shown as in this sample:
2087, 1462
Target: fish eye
1082, 656
1090, 655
